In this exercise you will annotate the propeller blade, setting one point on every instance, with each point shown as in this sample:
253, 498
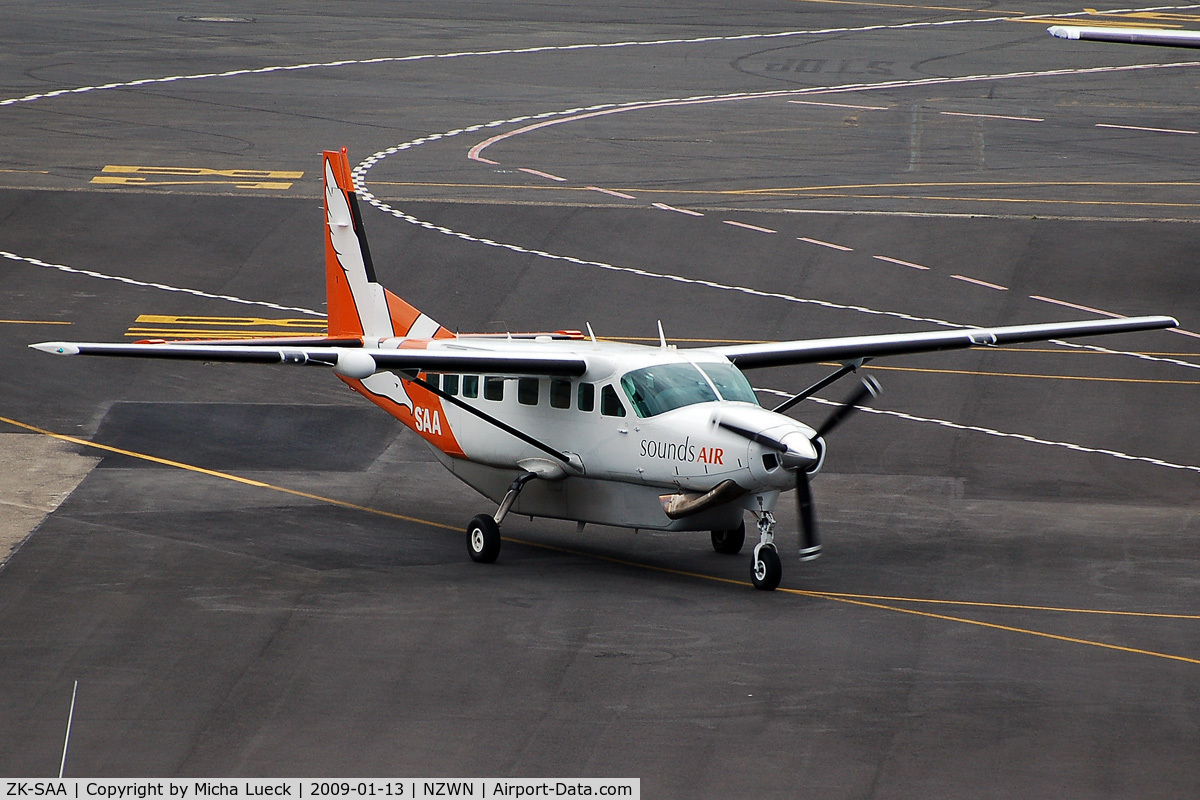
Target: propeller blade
870, 386
810, 540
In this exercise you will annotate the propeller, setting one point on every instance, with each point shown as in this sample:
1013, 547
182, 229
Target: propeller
800, 462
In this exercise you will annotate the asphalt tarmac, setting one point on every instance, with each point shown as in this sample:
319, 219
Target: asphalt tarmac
257, 574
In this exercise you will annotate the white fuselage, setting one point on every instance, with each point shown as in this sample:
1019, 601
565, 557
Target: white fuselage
638, 423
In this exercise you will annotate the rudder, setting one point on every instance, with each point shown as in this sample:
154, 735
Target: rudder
357, 305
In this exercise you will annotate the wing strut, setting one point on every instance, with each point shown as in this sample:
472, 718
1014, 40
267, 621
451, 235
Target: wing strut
847, 368
524, 437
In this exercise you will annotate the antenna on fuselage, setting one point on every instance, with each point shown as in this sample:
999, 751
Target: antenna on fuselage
662, 337
592, 335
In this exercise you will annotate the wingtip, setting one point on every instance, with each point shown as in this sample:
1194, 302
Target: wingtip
1063, 32
57, 348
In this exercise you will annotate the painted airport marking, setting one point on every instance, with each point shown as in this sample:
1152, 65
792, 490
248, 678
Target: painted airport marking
235, 73
1089, 309
748, 226
665, 207
169, 326
1149, 130
945, 423
612, 192
978, 282
33, 322
121, 175
891, 260
990, 116
151, 285
538, 173
867, 601
839, 105
830, 245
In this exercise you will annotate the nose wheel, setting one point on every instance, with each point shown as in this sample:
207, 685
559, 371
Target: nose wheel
766, 566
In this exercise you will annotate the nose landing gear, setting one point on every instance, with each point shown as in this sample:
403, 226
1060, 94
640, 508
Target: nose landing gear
768, 569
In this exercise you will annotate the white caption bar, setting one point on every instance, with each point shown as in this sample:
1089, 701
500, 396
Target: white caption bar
408, 788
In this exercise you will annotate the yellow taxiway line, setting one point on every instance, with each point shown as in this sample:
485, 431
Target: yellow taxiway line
866, 601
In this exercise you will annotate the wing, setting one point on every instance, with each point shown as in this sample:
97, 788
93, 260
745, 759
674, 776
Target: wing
1151, 36
355, 362
852, 348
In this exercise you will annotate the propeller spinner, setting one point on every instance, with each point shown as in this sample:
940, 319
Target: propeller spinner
800, 459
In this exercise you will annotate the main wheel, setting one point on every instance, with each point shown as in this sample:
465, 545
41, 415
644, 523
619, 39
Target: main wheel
730, 542
483, 539
767, 569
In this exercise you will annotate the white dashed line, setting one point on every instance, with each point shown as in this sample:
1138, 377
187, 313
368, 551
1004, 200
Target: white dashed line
1158, 462
748, 226
978, 282
1149, 130
830, 245
991, 116
164, 287
538, 173
622, 195
898, 261
665, 207
1076, 307
839, 105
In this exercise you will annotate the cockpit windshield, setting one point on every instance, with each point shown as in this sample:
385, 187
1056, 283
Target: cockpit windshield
665, 387
730, 382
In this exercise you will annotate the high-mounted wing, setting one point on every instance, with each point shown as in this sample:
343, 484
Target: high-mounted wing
356, 362
1151, 36
852, 348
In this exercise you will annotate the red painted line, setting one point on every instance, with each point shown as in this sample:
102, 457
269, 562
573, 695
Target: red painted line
978, 282
666, 207
748, 226
1076, 307
610, 191
901, 263
541, 174
841, 247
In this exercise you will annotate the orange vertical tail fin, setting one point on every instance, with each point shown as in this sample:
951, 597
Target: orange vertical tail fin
357, 305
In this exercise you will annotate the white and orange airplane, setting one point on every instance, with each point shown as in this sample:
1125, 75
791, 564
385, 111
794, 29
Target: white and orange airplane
562, 425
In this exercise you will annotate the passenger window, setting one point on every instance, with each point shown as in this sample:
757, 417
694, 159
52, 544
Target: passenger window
610, 404
450, 384
585, 398
560, 393
470, 386
527, 391
433, 380
493, 388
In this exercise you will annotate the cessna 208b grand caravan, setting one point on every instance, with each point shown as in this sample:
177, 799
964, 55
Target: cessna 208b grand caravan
562, 425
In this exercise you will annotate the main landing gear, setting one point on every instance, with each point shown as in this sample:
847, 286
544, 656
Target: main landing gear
483, 533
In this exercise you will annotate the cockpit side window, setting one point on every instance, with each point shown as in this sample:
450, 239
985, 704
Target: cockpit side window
664, 387
730, 382
610, 404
